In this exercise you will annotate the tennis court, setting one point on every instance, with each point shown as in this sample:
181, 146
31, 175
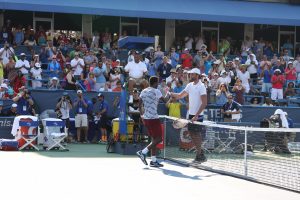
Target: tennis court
88, 172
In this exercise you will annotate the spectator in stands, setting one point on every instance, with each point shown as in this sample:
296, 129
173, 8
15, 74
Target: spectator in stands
70, 80
296, 64
172, 78
221, 63
50, 50
136, 71
290, 90
54, 84
174, 107
290, 73
163, 87
239, 91
266, 74
19, 81
78, 64
277, 85
102, 114
12, 112
42, 39
221, 94
63, 107
114, 77
36, 75
288, 47
2, 113
255, 101
199, 42
174, 57
188, 42
236, 63
158, 56
163, 70
224, 78
118, 87
252, 66
106, 40
24, 102
268, 102
186, 59
246, 45
90, 82
29, 37
1, 70
100, 73
5, 52
244, 76
61, 59
9, 69
23, 65
224, 46
54, 66
230, 109
3, 91
278, 65
81, 121
268, 49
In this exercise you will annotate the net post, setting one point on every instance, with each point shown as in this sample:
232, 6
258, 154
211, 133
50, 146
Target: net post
245, 155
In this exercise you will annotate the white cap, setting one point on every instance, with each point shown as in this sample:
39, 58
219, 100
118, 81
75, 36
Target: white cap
100, 94
217, 62
290, 62
203, 74
237, 58
22, 54
54, 78
118, 60
194, 71
38, 65
277, 70
79, 91
3, 85
223, 71
186, 49
216, 74
14, 105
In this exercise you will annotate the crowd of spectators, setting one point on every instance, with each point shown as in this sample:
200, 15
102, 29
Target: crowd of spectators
95, 64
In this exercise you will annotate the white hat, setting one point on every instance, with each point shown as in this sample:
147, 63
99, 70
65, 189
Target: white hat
217, 62
54, 78
203, 74
223, 71
178, 66
186, 49
3, 85
79, 91
14, 105
38, 65
100, 95
216, 74
22, 54
291, 58
237, 58
277, 70
118, 60
194, 71
290, 62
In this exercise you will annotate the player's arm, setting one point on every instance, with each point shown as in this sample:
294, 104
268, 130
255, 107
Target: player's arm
202, 107
179, 95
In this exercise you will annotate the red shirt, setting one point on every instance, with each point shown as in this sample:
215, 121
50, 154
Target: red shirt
291, 74
117, 89
187, 60
277, 81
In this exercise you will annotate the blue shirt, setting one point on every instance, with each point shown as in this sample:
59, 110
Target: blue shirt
267, 76
174, 59
103, 105
152, 68
100, 71
80, 109
54, 66
23, 107
178, 89
207, 65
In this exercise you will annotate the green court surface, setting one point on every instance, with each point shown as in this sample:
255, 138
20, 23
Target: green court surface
88, 172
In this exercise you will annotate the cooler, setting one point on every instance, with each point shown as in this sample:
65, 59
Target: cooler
8, 145
115, 130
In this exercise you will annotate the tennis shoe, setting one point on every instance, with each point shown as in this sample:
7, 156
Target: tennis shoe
142, 157
155, 164
200, 158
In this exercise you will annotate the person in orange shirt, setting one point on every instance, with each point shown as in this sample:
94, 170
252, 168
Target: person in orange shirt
118, 88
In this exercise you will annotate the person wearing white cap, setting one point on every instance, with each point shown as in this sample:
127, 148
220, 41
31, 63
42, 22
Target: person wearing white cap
12, 112
81, 119
172, 78
23, 64
278, 82
196, 92
290, 73
36, 75
244, 76
54, 66
78, 64
3, 91
252, 66
54, 84
224, 78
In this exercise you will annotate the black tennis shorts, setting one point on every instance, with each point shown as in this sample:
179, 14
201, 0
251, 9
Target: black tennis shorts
196, 127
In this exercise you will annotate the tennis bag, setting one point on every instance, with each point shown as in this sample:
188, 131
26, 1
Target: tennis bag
8, 145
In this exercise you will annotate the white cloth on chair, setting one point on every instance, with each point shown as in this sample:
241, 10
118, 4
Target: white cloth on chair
16, 126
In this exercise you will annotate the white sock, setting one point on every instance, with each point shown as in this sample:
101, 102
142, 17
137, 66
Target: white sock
145, 151
153, 158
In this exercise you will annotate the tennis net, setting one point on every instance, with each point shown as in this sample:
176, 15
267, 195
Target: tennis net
266, 155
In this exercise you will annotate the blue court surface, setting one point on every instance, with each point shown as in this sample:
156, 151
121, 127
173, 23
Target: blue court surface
88, 172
